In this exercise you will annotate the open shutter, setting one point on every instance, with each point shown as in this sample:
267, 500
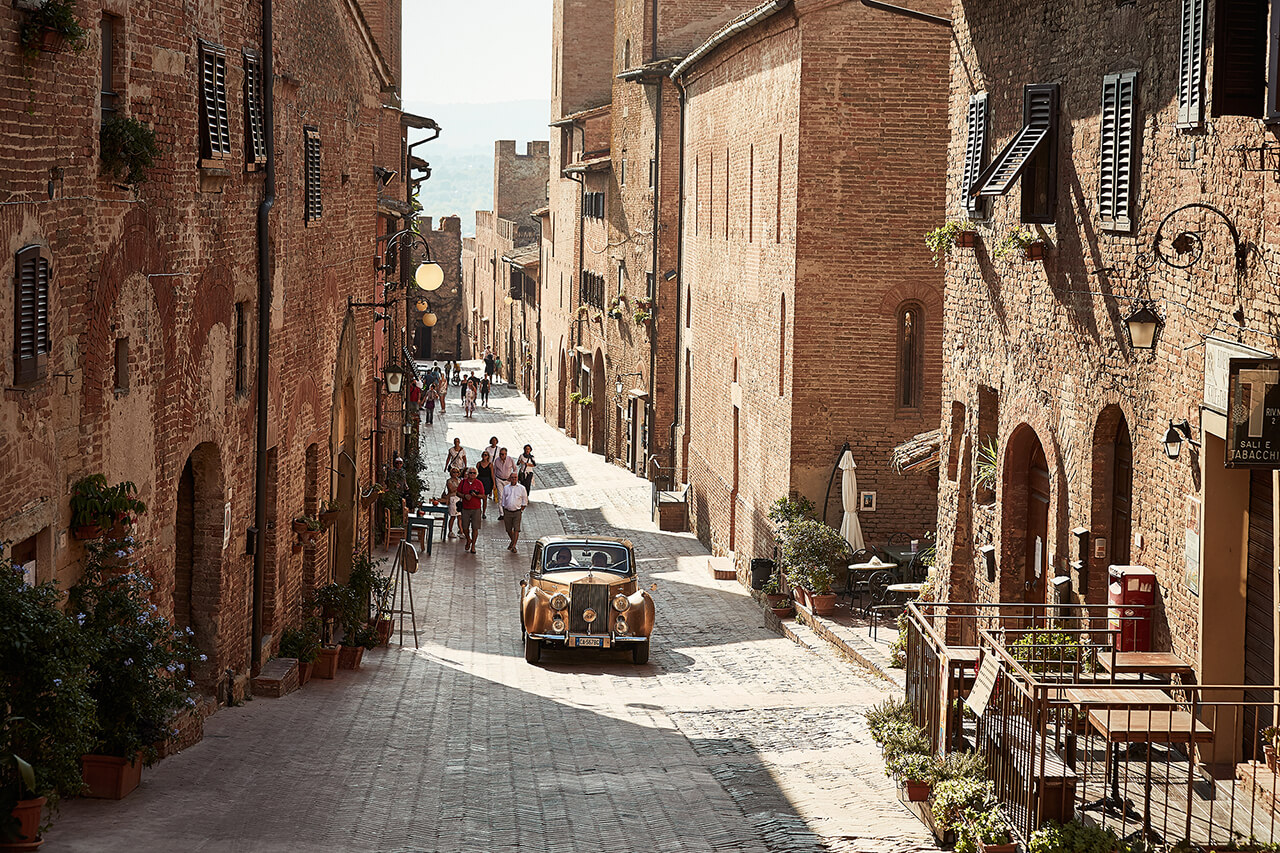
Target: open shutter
216, 139
975, 153
1119, 147
1039, 112
312, 177
255, 139
1273, 64
1191, 65
1240, 58
31, 315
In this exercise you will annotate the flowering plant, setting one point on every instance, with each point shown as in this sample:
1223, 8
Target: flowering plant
138, 663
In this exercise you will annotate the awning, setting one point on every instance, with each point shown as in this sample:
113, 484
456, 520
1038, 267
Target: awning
918, 453
638, 393
596, 164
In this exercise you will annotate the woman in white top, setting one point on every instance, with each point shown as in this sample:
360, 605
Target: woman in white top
456, 457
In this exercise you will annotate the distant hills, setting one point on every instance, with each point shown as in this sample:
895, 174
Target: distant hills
462, 158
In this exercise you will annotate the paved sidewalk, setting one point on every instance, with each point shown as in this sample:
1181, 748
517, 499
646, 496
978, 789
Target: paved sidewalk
731, 739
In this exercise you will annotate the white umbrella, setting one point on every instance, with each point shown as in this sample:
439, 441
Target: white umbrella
850, 528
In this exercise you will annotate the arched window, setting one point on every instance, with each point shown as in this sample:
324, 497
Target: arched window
910, 355
782, 347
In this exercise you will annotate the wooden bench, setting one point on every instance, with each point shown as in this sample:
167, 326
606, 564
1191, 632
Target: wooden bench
1053, 794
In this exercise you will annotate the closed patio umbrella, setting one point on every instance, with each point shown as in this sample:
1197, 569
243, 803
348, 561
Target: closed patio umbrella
850, 528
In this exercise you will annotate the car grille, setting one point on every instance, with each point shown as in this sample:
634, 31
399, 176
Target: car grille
593, 596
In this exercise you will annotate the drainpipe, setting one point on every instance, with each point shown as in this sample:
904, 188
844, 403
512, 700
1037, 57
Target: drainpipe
264, 332
649, 404
679, 415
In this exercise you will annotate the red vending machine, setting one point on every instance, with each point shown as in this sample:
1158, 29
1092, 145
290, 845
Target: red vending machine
1130, 596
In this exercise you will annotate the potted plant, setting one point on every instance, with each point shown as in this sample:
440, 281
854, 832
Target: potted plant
138, 673
953, 799
1020, 241
1054, 837
615, 307
642, 316
779, 601
944, 238
51, 25
128, 149
330, 511
326, 665
586, 402
1270, 738
383, 587
915, 771
303, 645
48, 721
986, 831
582, 311
809, 550
575, 398
97, 507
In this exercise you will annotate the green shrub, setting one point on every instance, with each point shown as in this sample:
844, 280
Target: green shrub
128, 148
953, 798
809, 550
988, 826
301, 643
962, 765
912, 766
891, 710
1073, 837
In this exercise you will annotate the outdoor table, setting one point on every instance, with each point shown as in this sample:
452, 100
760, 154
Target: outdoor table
1132, 715
442, 511
908, 591
1145, 663
413, 520
902, 554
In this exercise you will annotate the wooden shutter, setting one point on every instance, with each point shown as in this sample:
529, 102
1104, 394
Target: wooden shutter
1240, 58
975, 153
255, 138
215, 142
1040, 115
314, 207
1120, 144
1191, 65
31, 315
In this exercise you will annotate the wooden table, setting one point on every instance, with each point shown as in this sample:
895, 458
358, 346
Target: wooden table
1110, 696
1143, 725
1145, 663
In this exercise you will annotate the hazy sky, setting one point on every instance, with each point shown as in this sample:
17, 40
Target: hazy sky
476, 51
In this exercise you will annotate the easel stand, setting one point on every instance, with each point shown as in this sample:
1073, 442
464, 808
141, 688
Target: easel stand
403, 568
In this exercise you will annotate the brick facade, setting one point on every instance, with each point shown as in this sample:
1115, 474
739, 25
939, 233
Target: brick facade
812, 141
170, 267
1037, 354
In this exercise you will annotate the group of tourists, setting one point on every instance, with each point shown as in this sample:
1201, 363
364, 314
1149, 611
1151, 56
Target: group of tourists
497, 476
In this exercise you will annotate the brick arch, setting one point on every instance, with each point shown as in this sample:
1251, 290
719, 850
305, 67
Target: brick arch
135, 251
926, 294
212, 303
197, 577
1021, 448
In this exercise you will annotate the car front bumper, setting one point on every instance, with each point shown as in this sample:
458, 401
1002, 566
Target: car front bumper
584, 641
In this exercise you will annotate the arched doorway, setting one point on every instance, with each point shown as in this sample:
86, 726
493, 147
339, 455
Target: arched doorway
1025, 529
343, 445
1112, 526
197, 570
599, 405
561, 420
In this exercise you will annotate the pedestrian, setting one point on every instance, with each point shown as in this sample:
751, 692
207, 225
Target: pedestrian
442, 391
492, 447
469, 398
484, 473
503, 467
429, 404
462, 389
485, 384
456, 457
469, 501
450, 498
524, 467
488, 365
514, 500
497, 369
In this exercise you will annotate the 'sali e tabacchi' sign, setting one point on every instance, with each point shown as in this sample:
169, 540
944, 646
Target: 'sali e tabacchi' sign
1253, 413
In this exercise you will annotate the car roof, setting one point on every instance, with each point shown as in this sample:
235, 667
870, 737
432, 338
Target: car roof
547, 541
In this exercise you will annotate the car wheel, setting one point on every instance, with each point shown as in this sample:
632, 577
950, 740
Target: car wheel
640, 653
532, 649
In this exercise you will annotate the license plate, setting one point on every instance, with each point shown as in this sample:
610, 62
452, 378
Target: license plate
583, 642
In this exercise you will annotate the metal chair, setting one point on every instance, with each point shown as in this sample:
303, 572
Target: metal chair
899, 539
883, 602
856, 582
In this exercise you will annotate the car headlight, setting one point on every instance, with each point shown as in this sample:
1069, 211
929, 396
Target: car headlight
557, 625
621, 626
559, 601
621, 603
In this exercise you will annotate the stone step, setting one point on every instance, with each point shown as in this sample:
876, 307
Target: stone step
279, 677
721, 568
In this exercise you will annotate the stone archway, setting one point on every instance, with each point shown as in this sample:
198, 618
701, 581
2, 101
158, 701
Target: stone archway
197, 584
561, 420
599, 399
344, 444
1112, 498
1027, 498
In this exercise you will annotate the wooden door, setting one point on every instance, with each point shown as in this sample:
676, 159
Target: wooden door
1122, 496
1037, 557
1259, 639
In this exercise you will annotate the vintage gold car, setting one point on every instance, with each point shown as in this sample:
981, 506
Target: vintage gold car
583, 593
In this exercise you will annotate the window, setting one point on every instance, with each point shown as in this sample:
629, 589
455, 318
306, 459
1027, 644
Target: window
782, 347
215, 129
312, 173
649, 285
1191, 65
621, 278
593, 205
592, 289
975, 156
653, 172
751, 191
31, 315
622, 176
1119, 148
242, 350
255, 140
1240, 58
122, 364
1032, 155
109, 104
910, 355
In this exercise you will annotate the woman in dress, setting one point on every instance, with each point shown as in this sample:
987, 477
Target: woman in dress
469, 398
484, 473
456, 457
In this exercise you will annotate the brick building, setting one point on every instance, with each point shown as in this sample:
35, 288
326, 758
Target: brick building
1145, 165
443, 339
809, 312
500, 265
137, 349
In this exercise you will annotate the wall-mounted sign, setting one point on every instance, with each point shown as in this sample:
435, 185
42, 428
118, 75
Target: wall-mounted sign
1191, 553
1253, 416
1217, 364
1099, 548
226, 525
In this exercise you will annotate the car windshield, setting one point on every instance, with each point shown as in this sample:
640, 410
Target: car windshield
601, 557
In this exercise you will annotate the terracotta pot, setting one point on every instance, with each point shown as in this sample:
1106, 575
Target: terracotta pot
801, 596
51, 41
28, 814
330, 518
384, 630
967, 239
349, 657
299, 526
824, 605
778, 599
110, 777
296, 547
327, 664
1011, 847
86, 532
304, 672
1273, 764
783, 612
1035, 251
917, 791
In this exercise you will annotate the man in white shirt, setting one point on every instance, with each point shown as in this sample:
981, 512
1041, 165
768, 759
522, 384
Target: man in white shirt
514, 500
503, 467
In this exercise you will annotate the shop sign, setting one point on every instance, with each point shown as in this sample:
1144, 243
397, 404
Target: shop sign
1217, 362
1253, 416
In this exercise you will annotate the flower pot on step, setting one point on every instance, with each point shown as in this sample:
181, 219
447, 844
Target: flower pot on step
825, 604
778, 599
110, 777
384, 630
27, 813
1011, 847
304, 672
349, 657
784, 612
1273, 763
917, 791
327, 663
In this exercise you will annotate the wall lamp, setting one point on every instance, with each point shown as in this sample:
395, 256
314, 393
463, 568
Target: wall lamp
395, 377
618, 384
1173, 438
1143, 323
385, 175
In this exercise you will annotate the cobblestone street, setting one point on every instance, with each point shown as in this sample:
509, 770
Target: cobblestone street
732, 738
